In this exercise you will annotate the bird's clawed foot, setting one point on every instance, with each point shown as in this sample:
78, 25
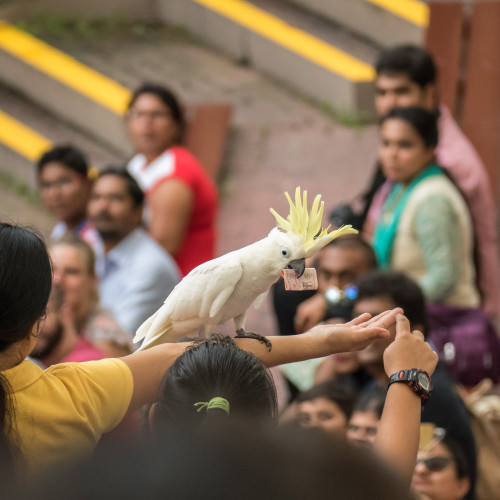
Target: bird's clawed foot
243, 334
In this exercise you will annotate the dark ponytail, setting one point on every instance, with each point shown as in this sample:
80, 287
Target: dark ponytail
25, 283
214, 368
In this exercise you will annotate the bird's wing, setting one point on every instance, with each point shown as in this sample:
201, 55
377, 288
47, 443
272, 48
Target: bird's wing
144, 328
201, 294
260, 299
220, 286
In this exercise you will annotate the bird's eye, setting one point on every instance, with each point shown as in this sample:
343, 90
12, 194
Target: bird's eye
285, 252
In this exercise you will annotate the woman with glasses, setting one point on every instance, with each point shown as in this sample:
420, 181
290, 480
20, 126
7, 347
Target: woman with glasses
181, 198
441, 471
55, 415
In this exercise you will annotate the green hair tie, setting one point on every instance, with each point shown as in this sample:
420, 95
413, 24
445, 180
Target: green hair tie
215, 403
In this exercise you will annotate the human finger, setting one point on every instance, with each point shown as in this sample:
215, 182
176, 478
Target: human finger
402, 325
417, 333
364, 336
362, 318
369, 321
386, 319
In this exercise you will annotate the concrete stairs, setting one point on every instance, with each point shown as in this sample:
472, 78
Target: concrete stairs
323, 49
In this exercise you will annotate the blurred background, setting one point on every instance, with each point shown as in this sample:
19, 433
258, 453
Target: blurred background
278, 93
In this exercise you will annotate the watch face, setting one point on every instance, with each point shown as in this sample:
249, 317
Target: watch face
424, 382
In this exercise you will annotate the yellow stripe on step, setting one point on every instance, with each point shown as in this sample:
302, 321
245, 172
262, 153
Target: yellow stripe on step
293, 39
414, 11
22, 139
64, 68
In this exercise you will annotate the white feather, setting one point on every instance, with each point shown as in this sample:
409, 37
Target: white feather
221, 289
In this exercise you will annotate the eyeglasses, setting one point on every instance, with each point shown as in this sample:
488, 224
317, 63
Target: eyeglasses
435, 464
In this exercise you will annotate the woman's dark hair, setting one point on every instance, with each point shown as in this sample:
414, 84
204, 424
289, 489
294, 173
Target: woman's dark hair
168, 98
424, 122
458, 455
413, 60
400, 289
69, 156
134, 190
372, 401
25, 284
339, 393
214, 367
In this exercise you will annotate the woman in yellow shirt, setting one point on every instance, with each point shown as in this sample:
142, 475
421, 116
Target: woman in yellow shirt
61, 413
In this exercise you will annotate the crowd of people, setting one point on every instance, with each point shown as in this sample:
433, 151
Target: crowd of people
402, 326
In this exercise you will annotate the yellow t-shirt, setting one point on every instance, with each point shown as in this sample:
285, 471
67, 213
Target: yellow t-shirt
62, 412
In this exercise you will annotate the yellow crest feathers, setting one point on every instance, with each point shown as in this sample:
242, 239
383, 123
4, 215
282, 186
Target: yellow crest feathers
307, 225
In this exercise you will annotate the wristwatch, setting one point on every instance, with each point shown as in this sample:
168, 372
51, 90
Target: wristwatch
417, 380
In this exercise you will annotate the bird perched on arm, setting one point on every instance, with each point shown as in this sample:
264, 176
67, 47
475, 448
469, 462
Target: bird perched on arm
224, 288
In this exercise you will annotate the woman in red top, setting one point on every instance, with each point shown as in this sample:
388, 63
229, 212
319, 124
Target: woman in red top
181, 197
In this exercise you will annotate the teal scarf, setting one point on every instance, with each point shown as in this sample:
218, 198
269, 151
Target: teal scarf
394, 205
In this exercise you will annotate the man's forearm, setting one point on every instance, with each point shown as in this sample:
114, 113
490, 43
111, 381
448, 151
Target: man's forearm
399, 430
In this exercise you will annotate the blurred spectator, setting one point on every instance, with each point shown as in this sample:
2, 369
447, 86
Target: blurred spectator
365, 418
441, 472
406, 76
73, 262
380, 290
343, 367
224, 460
338, 265
62, 412
65, 181
325, 406
181, 197
58, 339
424, 227
136, 274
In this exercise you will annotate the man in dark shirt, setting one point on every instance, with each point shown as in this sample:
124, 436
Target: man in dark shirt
380, 290
338, 265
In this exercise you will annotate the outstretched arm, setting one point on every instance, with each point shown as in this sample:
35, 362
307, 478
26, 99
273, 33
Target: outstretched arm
323, 340
399, 430
148, 367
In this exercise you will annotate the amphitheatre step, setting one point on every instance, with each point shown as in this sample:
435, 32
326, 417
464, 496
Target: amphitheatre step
253, 34
68, 88
28, 130
95, 103
386, 22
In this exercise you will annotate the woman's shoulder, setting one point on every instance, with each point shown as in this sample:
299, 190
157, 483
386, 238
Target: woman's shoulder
103, 372
437, 194
435, 185
186, 164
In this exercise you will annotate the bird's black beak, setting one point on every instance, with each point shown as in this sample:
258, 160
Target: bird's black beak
299, 266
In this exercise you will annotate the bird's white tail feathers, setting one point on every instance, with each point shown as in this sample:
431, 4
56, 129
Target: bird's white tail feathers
143, 330
150, 342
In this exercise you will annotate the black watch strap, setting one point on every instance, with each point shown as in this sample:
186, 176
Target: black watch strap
419, 381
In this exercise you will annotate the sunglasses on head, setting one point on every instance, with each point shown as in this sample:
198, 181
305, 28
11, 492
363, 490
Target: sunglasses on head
435, 464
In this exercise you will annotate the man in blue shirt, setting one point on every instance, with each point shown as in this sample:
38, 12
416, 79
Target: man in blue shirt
136, 274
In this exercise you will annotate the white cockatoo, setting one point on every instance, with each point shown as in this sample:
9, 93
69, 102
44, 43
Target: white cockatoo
224, 288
